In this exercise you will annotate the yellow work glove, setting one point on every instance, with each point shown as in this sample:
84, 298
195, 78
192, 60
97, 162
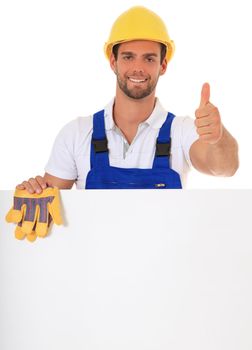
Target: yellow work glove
33, 213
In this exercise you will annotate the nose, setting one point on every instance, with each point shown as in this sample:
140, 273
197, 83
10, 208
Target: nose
137, 67
138, 71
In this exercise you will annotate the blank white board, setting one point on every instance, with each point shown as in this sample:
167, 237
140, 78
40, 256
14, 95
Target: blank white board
139, 270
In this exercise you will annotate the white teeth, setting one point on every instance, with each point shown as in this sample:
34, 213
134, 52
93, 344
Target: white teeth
137, 80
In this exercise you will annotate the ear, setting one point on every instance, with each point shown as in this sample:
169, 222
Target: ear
112, 62
163, 66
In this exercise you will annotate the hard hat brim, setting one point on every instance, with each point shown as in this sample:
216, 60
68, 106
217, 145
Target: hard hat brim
108, 47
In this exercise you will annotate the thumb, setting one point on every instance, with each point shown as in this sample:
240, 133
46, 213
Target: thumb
205, 95
54, 209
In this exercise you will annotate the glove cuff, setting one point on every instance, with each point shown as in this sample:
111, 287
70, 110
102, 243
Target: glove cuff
49, 191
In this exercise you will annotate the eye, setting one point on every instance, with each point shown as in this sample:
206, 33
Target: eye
127, 57
150, 59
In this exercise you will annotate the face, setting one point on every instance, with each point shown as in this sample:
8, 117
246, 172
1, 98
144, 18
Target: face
138, 68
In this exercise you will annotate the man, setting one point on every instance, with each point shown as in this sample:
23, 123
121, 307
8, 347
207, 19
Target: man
134, 142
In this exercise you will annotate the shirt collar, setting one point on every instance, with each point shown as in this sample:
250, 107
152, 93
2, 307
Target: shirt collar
155, 120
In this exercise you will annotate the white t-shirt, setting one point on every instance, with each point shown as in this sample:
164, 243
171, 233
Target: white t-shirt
70, 156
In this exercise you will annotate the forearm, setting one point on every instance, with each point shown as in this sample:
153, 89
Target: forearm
222, 157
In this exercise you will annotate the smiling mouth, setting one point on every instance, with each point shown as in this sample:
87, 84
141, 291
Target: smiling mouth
137, 81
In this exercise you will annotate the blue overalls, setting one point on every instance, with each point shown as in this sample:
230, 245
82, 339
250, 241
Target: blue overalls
104, 176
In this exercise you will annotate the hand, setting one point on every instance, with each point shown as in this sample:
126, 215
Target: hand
208, 120
33, 213
34, 185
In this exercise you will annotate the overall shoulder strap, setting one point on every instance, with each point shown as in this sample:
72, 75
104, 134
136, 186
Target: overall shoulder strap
163, 145
99, 143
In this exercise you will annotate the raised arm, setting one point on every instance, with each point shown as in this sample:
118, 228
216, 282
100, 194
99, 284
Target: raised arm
216, 150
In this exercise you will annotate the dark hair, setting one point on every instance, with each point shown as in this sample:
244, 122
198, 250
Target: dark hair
162, 56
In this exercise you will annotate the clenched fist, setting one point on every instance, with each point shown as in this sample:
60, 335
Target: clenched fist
208, 120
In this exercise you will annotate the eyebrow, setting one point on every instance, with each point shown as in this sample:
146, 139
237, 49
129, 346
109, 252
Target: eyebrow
148, 54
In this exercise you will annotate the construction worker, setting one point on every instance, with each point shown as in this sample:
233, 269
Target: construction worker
134, 142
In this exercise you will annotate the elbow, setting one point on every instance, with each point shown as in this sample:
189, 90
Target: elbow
230, 165
228, 169
226, 172
234, 166
233, 170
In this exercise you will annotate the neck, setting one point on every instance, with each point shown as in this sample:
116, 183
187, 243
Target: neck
128, 111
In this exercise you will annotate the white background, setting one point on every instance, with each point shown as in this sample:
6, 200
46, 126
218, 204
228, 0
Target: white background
112, 279
52, 69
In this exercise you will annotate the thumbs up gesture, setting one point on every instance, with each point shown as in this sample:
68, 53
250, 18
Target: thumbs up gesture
208, 120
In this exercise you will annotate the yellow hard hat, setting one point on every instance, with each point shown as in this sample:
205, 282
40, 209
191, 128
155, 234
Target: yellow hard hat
139, 23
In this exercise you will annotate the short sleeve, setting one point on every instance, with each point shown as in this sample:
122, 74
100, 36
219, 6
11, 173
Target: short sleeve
61, 162
188, 137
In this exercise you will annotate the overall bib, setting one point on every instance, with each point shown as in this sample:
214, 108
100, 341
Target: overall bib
104, 176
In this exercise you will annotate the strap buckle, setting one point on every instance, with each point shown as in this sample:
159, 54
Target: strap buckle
163, 149
100, 145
